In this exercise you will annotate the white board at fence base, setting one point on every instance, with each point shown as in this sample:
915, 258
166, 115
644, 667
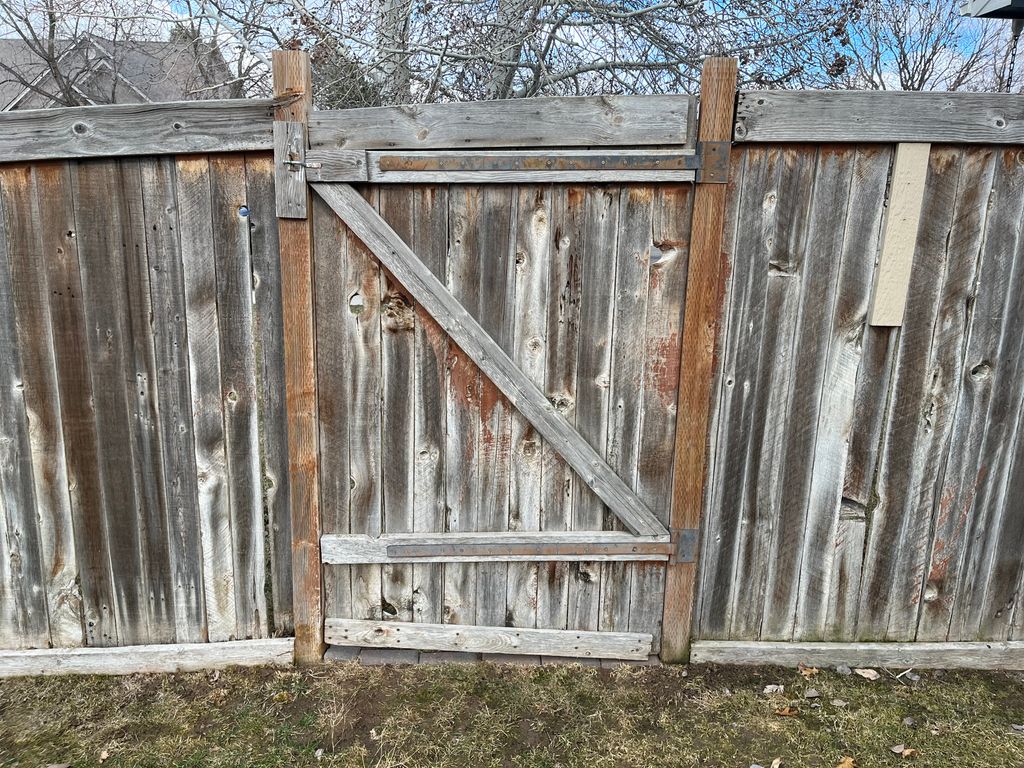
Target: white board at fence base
459, 637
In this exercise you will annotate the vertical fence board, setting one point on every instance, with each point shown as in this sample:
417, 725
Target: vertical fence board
463, 403
587, 292
29, 300
532, 261
632, 268
430, 242
335, 319
195, 222
497, 274
22, 605
269, 333
398, 414
179, 494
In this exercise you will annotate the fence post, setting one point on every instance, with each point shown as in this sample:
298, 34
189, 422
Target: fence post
700, 326
293, 87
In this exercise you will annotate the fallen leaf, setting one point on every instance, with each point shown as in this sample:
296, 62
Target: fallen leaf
777, 763
787, 711
104, 755
897, 749
770, 689
58, 765
847, 762
282, 697
867, 674
807, 672
839, 703
903, 750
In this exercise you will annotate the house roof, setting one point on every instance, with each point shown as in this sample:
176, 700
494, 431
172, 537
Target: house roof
108, 71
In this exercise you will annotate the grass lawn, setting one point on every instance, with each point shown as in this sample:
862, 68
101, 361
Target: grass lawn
485, 715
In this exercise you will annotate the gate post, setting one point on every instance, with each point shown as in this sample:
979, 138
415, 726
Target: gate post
696, 371
293, 89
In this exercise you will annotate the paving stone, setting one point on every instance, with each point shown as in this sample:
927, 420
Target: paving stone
564, 660
341, 653
512, 658
448, 657
373, 657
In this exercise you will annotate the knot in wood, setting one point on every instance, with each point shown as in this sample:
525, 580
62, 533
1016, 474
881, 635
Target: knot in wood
398, 313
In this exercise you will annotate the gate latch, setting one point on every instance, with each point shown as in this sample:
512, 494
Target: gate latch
684, 545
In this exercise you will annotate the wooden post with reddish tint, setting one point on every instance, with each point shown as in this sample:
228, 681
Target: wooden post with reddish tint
700, 326
293, 87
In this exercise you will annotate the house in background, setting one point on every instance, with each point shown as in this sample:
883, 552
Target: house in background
35, 74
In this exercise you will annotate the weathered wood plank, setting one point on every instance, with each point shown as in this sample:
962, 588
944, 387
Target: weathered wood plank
919, 411
29, 301
666, 291
879, 116
336, 333
361, 285
532, 260
179, 487
143, 411
494, 248
290, 193
23, 610
554, 121
146, 659
703, 305
1003, 656
557, 581
455, 637
195, 229
353, 549
398, 409
270, 367
902, 219
75, 390
292, 82
430, 241
120, 130
462, 403
231, 253
104, 238
494, 362
631, 277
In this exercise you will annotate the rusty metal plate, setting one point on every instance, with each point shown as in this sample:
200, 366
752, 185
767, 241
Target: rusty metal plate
592, 161
713, 161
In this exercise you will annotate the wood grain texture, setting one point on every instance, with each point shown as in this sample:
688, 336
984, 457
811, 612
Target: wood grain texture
554, 121
700, 325
27, 298
119, 130
879, 116
293, 81
422, 285
474, 639
146, 659
1001, 656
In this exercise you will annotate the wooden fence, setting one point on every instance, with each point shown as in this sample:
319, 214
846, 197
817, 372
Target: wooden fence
513, 336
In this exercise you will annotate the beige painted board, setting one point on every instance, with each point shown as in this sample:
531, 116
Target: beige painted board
899, 238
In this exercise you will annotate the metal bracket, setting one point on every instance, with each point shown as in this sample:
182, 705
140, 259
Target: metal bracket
684, 545
714, 159
655, 550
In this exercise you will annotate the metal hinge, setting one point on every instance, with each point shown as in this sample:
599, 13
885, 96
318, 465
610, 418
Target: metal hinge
713, 161
684, 545
301, 164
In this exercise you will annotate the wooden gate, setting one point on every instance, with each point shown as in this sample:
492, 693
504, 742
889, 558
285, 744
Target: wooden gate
484, 369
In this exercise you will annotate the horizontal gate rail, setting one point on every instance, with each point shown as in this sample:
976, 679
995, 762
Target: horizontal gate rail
540, 546
558, 121
467, 638
488, 355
